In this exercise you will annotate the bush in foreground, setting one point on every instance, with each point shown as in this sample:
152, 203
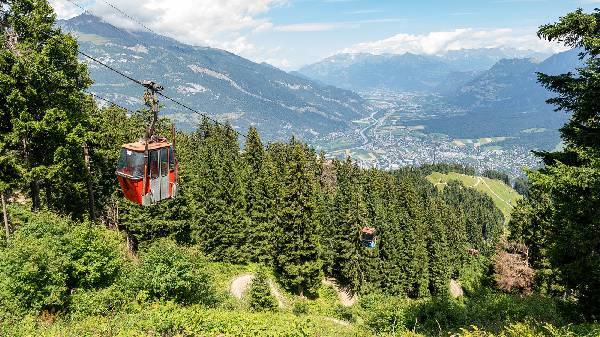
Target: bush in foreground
170, 272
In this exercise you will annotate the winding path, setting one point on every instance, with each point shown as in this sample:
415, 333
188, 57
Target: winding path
345, 297
239, 286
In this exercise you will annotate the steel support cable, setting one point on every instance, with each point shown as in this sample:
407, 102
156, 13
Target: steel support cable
108, 101
139, 82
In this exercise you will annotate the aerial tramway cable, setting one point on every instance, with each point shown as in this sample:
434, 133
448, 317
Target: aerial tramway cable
142, 44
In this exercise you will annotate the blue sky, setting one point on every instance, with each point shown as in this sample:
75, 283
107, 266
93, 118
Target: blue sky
291, 33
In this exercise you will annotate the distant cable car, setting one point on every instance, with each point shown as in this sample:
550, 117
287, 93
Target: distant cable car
368, 238
148, 170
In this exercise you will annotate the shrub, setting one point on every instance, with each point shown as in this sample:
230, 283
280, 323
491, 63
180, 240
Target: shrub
474, 274
300, 308
33, 275
512, 270
384, 314
170, 272
344, 313
49, 257
99, 302
96, 255
260, 293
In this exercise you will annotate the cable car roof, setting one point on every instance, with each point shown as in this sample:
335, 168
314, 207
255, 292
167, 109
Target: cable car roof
140, 146
368, 230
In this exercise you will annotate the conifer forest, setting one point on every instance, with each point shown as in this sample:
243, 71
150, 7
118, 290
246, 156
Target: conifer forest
275, 238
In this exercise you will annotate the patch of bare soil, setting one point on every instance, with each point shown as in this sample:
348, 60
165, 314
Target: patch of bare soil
347, 299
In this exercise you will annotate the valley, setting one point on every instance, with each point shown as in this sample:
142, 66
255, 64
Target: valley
386, 111
402, 132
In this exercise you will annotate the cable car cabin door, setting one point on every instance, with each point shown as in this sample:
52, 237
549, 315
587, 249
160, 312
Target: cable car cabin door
159, 174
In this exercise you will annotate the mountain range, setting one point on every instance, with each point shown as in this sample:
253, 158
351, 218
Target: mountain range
212, 81
408, 72
496, 89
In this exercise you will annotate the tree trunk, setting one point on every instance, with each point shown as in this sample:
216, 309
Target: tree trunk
34, 185
90, 187
35, 195
49, 200
5, 214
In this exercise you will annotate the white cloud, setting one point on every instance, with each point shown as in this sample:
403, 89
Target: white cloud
225, 24
64, 9
307, 27
279, 63
464, 38
327, 26
198, 22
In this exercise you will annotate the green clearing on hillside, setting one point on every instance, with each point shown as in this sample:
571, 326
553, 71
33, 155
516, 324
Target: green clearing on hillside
504, 196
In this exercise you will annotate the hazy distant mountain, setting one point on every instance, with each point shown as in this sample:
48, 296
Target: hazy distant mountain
407, 72
512, 84
507, 100
212, 81
484, 58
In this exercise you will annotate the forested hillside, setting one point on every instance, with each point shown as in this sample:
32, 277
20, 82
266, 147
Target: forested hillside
77, 258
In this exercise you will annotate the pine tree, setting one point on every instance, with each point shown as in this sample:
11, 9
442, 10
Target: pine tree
350, 218
42, 100
298, 260
220, 222
415, 261
438, 247
571, 177
392, 246
260, 293
262, 196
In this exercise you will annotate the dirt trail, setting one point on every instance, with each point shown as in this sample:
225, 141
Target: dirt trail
496, 195
277, 294
239, 286
345, 297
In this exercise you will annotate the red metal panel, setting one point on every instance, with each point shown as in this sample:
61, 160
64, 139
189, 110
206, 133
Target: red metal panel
132, 189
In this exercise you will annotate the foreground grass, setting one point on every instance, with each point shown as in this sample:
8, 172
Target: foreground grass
168, 319
171, 320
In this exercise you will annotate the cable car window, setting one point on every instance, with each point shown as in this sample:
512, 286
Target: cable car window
131, 164
171, 158
164, 164
154, 164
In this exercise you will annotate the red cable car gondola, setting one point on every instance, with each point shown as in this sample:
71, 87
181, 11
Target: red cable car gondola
148, 170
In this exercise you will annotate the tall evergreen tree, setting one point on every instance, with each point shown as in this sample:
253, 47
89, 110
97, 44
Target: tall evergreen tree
438, 248
298, 260
41, 97
350, 218
262, 196
392, 246
220, 222
415, 262
571, 177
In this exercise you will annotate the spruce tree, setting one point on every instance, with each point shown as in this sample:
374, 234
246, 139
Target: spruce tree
44, 111
392, 246
571, 177
438, 248
262, 196
298, 260
260, 293
350, 218
220, 222
415, 261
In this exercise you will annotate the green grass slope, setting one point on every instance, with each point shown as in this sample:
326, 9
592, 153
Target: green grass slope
504, 196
